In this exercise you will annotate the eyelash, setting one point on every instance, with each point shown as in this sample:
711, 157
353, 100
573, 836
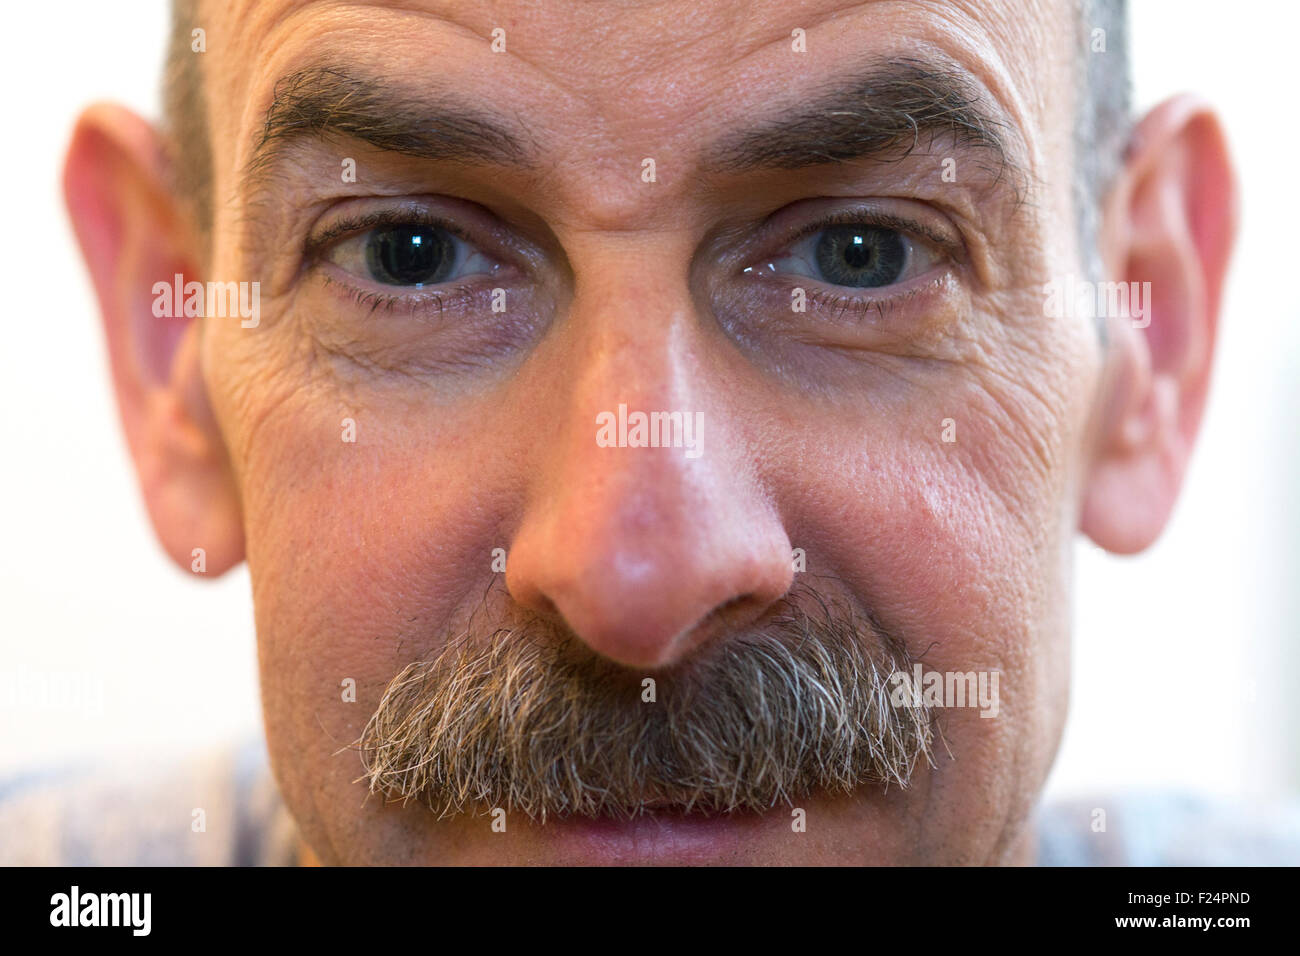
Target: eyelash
856, 306
382, 301
845, 217
415, 302
354, 225
837, 305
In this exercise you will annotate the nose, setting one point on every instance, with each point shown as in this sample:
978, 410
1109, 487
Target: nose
646, 553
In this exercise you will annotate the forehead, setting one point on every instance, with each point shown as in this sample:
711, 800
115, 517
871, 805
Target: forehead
600, 79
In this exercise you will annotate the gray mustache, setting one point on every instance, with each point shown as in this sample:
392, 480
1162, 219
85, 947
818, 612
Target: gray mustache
533, 722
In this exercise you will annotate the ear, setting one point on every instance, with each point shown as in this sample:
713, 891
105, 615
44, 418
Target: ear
1169, 221
134, 233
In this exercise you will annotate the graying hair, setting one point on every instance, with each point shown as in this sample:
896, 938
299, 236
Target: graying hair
1102, 120
532, 721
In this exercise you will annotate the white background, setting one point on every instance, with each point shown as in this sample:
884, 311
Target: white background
1184, 657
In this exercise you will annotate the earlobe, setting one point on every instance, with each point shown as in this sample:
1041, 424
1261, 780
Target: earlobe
133, 234
1168, 231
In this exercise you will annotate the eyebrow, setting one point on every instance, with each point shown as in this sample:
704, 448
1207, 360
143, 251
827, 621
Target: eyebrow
883, 113
321, 102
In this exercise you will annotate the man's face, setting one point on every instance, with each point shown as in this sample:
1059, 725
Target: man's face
917, 425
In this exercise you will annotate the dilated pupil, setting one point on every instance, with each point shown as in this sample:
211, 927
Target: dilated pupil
409, 255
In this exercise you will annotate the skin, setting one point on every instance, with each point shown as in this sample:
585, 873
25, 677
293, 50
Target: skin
820, 433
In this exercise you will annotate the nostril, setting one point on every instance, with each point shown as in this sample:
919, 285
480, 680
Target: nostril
723, 609
732, 613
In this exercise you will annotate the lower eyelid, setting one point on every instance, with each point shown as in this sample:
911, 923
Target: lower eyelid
906, 289
433, 300
837, 305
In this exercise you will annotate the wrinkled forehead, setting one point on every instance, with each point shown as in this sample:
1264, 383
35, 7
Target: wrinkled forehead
593, 82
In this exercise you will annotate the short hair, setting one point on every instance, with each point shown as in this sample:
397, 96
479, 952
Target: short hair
1102, 118
1101, 128
185, 118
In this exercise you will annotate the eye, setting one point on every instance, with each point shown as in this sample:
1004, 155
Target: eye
411, 254
856, 255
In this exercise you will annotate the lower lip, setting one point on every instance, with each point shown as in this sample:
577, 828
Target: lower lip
658, 837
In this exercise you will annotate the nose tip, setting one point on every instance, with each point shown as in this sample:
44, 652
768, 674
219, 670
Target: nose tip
643, 540
645, 584
645, 620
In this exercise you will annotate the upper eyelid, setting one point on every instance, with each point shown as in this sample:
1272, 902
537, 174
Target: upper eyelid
358, 225
901, 224
787, 226
945, 246
355, 225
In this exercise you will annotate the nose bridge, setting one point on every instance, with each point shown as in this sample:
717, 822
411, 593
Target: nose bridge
635, 338
627, 479
635, 333
641, 523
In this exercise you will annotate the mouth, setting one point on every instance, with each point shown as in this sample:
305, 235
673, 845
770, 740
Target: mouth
662, 835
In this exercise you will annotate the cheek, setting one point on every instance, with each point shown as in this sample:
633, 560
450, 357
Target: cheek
365, 553
961, 547
362, 554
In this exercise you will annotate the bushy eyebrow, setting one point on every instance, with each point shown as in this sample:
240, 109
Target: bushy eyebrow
321, 102
883, 112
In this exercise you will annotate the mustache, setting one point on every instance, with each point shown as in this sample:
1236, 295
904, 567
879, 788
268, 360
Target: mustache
532, 721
